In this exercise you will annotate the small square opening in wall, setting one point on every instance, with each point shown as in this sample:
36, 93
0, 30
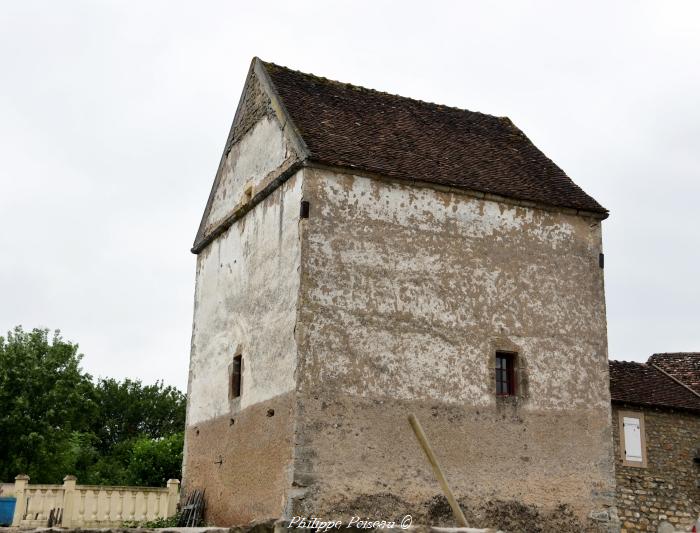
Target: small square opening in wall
505, 373
248, 193
236, 376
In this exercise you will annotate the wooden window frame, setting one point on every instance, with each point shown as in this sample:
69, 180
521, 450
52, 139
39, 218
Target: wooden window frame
642, 437
511, 374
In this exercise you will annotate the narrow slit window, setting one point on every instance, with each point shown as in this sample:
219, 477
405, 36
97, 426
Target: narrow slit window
236, 375
505, 374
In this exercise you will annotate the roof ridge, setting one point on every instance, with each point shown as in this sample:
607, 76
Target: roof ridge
344, 84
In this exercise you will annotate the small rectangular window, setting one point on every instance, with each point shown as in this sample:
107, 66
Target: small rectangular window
236, 375
632, 439
505, 374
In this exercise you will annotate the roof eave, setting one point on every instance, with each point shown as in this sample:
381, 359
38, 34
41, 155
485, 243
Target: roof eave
655, 405
601, 214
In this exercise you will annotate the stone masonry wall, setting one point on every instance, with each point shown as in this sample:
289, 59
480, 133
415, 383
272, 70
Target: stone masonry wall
406, 295
667, 488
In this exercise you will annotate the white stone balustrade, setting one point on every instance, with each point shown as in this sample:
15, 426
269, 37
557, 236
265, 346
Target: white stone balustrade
91, 505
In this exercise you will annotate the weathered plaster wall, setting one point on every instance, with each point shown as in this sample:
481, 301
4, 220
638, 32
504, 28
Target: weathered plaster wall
667, 488
246, 295
263, 149
406, 295
245, 300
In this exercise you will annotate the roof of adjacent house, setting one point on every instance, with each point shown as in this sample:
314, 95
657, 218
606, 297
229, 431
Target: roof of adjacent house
684, 366
348, 126
643, 384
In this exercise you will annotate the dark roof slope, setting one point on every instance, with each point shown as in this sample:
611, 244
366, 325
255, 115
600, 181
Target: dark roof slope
349, 126
684, 366
642, 384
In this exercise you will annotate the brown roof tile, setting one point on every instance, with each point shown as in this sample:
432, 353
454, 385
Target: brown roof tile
349, 126
684, 366
642, 384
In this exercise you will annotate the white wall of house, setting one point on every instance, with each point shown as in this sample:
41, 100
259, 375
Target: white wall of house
245, 302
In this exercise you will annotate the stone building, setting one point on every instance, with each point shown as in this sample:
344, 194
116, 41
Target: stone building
656, 418
363, 256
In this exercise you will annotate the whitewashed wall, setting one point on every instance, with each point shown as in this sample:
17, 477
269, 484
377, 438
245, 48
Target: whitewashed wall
261, 150
245, 301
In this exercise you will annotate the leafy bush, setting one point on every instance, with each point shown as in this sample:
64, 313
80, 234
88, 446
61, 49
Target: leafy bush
154, 461
171, 521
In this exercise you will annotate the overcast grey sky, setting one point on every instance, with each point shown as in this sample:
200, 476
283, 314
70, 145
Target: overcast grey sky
113, 116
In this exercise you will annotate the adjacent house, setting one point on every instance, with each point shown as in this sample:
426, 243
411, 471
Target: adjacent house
363, 256
656, 413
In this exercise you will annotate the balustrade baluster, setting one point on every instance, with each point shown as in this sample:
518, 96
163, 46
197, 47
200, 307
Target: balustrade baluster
120, 506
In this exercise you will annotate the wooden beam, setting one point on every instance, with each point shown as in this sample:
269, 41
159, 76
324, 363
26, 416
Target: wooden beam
437, 470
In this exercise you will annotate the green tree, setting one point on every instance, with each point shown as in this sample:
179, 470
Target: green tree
45, 398
129, 409
54, 420
154, 461
131, 417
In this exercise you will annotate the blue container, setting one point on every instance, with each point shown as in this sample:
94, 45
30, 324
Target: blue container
7, 511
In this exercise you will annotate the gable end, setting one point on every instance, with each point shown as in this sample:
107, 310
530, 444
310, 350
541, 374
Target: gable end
259, 102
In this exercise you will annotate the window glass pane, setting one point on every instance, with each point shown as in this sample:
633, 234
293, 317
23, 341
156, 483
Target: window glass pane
505, 374
508, 378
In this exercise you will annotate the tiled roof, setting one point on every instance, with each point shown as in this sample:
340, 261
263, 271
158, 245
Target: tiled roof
348, 126
642, 384
684, 366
